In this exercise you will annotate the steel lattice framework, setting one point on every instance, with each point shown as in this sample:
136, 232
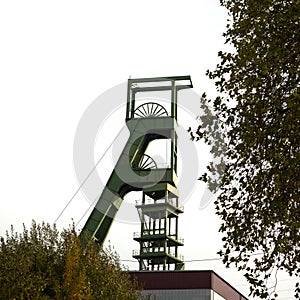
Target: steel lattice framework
136, 171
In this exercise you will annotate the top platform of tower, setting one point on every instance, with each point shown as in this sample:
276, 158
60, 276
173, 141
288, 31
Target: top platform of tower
157, 89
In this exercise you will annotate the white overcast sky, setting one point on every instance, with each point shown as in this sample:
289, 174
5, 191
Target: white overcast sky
56, 58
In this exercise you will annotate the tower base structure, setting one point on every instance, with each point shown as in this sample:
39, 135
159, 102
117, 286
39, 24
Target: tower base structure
158, 239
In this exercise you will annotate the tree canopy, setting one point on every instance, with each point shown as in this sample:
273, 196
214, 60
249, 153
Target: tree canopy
42, 263
253, 128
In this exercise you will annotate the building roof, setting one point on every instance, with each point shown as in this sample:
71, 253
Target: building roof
175, 280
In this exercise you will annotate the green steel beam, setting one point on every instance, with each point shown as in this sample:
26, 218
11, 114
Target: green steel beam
125, 179
167, 78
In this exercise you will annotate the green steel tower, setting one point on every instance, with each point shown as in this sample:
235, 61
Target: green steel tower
149, 117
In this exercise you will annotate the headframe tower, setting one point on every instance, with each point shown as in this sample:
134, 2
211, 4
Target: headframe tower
151, 114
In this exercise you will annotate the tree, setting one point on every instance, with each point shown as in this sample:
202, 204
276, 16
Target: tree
253, 128
42, 263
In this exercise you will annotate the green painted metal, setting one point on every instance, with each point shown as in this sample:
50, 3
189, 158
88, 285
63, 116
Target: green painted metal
158, 238
142, 85
128, 175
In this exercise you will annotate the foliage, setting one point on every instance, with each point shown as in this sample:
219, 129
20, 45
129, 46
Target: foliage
253, 128
42, 263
